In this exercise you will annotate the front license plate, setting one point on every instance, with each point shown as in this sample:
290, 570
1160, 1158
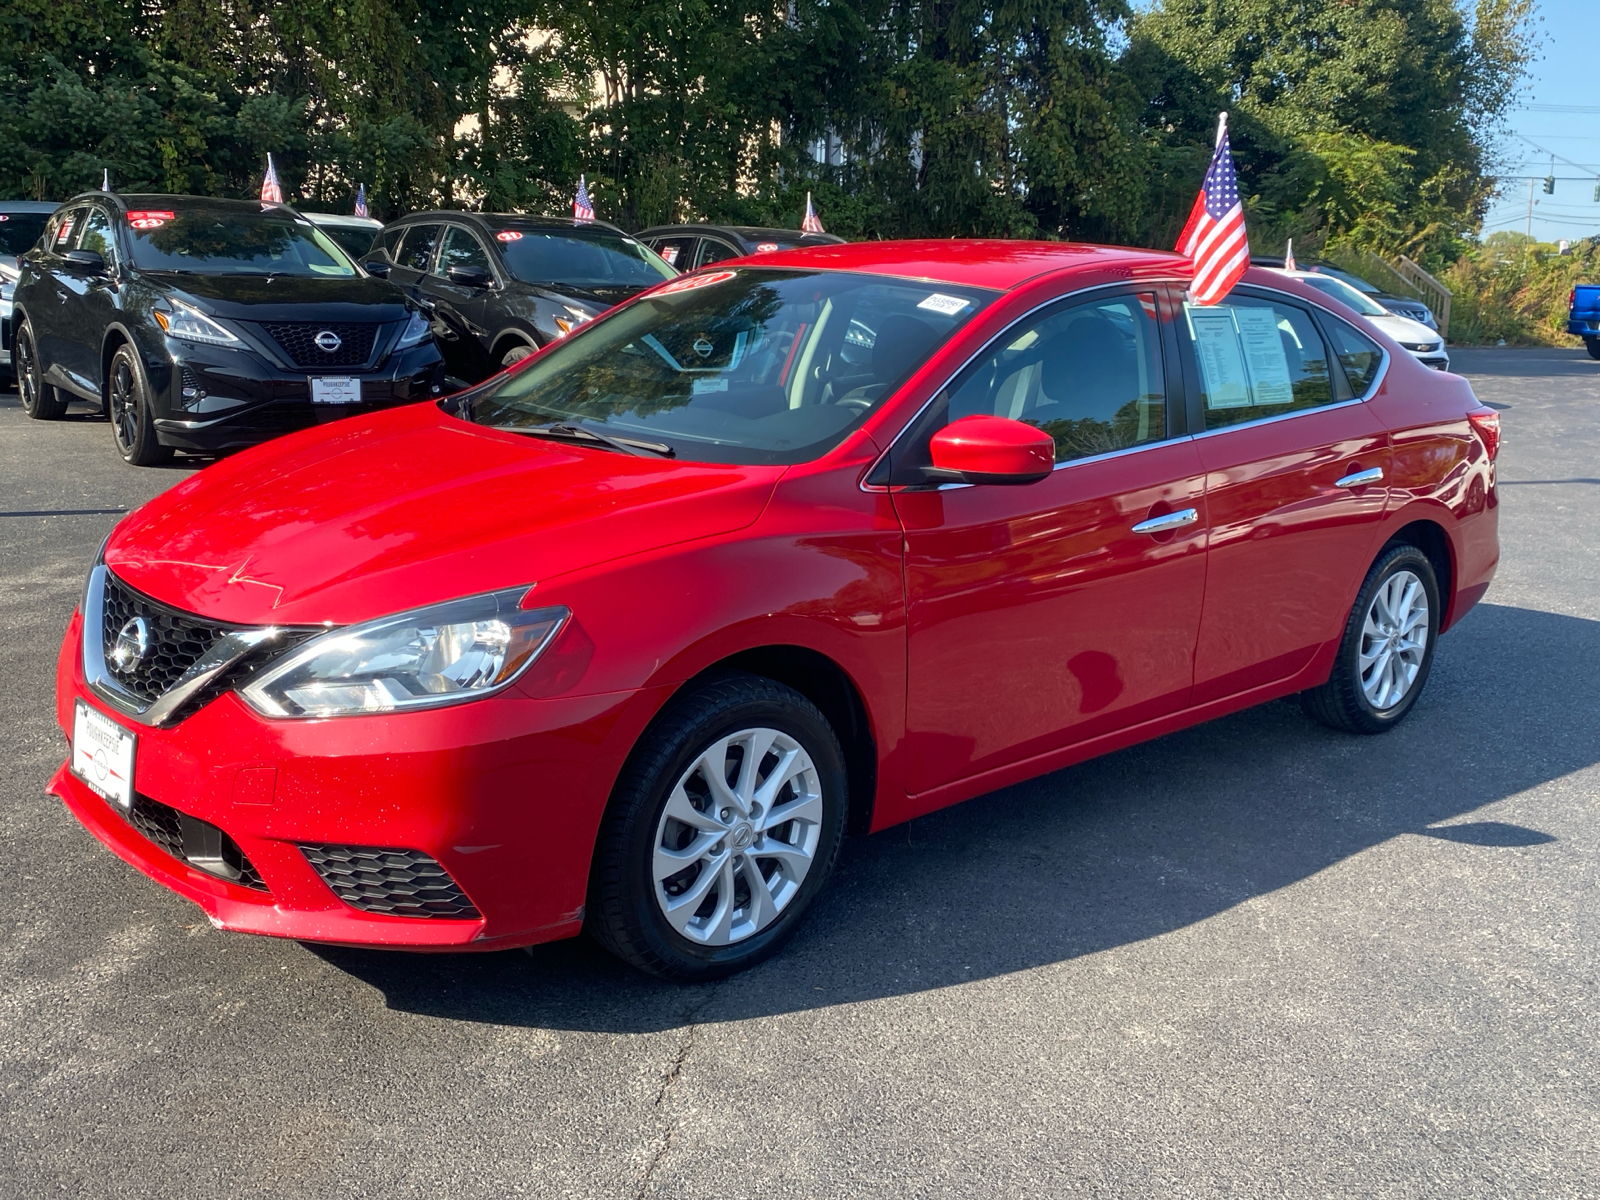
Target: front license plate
102, 755
335, 389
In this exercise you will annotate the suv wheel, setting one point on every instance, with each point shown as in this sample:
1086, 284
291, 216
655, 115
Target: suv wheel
1387, 648
1593, 345
128, 405
40, 400
721, 831
515, 354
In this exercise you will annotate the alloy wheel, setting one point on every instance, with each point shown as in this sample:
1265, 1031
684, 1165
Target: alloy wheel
124, 408
1394, 640
739, 833
27, 379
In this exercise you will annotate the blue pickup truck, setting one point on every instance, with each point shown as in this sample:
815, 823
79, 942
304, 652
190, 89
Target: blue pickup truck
1583, 316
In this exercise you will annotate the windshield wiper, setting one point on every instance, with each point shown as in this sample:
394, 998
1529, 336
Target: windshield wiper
565, 431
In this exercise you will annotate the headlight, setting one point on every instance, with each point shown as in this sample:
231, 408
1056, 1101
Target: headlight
430, 657
192, 325
416, 332
574, 318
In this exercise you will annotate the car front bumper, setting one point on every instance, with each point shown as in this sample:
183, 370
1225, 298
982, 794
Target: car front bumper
505, 794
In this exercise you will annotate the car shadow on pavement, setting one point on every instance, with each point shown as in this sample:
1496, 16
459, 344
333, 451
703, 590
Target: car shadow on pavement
1110, 852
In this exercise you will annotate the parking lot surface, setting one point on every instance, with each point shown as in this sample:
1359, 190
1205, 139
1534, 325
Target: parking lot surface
1257, 958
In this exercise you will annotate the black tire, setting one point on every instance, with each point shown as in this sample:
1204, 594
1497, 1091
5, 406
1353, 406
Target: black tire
40, 400
1344, 701
515, 354
128, 407
1593, 346
623, 913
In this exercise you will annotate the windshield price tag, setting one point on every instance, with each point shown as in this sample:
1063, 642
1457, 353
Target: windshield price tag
945, 306
149, 218
509, 235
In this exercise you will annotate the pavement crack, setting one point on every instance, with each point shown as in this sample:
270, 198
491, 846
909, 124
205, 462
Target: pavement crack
674, 1071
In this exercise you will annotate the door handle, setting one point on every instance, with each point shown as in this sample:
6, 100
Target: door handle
1361, 478
1167, 522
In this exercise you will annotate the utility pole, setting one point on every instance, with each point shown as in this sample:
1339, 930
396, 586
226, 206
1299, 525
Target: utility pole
1530, 207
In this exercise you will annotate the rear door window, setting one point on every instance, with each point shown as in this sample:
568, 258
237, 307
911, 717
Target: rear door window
1257, 358
461, 249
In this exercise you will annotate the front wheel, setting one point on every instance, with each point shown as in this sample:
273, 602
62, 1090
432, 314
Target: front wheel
1387, 648
721, 831
1593, 345
132, 424
40, 400
515, 354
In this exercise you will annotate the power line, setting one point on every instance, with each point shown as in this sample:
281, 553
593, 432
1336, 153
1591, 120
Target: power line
1562, 108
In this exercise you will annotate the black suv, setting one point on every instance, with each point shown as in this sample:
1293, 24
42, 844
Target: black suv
500, 286
690, 246
208, 324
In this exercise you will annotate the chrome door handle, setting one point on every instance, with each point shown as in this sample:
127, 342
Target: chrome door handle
1167, 522
1361, 478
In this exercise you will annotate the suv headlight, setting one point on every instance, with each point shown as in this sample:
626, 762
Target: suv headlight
192, 325
460, 650
416, 332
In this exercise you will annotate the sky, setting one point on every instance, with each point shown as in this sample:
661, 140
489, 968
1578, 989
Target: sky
1564, 77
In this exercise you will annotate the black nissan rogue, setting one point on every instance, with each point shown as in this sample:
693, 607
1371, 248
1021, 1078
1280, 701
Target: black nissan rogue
208, 324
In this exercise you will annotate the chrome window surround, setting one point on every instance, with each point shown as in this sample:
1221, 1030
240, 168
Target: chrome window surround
204, 670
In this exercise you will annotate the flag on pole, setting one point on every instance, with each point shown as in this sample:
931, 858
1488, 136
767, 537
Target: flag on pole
1288, 257
105, 180
811, 223
271, 193
582, 207
1214, 239
361, 199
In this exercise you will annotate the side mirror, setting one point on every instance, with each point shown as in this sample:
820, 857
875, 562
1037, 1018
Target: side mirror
472, 277
85, 262
990, 450
376, 266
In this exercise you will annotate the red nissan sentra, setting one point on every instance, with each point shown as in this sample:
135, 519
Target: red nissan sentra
628, 637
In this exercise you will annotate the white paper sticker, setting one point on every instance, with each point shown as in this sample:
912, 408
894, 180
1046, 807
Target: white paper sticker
1264, 356
1222, 368
947, 306
701, 386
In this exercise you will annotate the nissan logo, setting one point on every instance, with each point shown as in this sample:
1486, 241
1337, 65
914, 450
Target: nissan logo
328, 340
133, 643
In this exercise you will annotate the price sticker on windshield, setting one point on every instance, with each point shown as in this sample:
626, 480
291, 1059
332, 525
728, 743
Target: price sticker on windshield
945, 306
508, 235
691, 282
149, 218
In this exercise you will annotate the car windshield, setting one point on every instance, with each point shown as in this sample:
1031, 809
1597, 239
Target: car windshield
19, 231
739, 366
233, 241
1355, 281
580, 257
1344, 293
354, 240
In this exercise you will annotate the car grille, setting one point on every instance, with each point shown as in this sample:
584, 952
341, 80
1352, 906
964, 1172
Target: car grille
176, 639
196, 842
298, 341
401, 883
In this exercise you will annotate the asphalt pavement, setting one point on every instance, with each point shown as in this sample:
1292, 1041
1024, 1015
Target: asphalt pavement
1257, 958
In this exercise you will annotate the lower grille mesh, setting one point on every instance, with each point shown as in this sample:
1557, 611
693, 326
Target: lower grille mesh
401, 883
191, 840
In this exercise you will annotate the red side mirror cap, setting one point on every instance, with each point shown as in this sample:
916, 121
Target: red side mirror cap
990, 450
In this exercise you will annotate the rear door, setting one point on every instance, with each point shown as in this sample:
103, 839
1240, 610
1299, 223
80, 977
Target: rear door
1296, 481
1041, 615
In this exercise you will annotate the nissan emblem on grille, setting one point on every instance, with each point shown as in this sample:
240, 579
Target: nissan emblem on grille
133, 643
328, 340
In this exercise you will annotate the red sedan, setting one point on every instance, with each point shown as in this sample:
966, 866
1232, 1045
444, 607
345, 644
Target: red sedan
628, 637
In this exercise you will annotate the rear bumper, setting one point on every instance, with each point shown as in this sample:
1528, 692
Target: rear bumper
1583, 328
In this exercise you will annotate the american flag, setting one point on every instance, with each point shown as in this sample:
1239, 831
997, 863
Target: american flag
361, 199
811, 223
582, 206
1215, 237
271, 193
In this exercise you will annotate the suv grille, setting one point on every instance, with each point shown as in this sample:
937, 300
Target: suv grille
402, 883
196, 842
299, 343
176, 640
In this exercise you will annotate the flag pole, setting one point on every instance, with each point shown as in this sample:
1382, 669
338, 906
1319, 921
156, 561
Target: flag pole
1222, 128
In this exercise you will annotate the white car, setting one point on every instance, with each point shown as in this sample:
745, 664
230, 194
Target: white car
354, 234
1425, 344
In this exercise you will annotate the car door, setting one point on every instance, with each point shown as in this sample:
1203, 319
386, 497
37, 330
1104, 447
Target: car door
461, 314
1295, 485
1045, 614
50, 308
92, 303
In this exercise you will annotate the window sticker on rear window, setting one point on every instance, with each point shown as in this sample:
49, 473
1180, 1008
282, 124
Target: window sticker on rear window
508, 235
945, 306
1243, 363
148, 218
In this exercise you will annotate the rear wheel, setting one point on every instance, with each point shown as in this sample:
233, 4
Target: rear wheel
1387, 648
1593, 345
40, 400
128, 405
722, 830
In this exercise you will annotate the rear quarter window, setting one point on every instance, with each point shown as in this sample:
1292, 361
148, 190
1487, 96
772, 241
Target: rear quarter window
1359, 355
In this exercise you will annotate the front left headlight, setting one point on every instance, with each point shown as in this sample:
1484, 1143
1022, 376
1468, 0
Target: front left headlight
426, 658
416, 332
189, 323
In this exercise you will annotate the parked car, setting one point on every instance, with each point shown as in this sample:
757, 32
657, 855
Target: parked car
1402, 306
21, 223
1417, 339
354, 235
208, 325
499, 286
1583, 316
627, 637
687, 247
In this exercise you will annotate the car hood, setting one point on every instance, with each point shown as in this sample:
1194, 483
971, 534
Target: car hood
599, 299
379, 514
285, 297
1404, 329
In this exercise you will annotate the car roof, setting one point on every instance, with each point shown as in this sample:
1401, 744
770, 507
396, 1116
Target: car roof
976, 262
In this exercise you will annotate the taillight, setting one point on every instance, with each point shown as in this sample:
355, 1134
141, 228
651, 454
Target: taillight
1487, 422
1572, 300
